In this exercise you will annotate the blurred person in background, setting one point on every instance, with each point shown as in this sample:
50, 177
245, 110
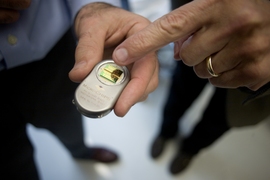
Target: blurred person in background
39, 41
126, 4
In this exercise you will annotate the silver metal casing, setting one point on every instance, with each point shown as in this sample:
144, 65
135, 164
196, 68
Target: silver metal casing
96, 96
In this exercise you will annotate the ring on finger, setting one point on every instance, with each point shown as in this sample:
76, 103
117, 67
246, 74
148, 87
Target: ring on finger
210, 67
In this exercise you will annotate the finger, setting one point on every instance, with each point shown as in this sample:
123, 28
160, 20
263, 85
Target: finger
141, 74
243, 76
153, 83
222, 62
252, 75
176, 25
15, 4
234, 54
89, 52
8, 16
230, 79
205, 42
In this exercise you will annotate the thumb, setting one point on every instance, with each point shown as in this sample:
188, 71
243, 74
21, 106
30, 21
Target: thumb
89, 52
176, 25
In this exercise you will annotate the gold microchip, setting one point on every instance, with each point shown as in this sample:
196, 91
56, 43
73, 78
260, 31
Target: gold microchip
111, 73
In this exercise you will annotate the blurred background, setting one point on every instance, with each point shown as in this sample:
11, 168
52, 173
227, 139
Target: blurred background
240, 154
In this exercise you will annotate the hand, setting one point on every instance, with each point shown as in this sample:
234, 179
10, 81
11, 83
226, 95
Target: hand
236, 34
100, 28
9, 10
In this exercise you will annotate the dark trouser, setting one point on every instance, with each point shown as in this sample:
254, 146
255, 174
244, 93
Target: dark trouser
177, 3
39, 93
185, 88
212, 125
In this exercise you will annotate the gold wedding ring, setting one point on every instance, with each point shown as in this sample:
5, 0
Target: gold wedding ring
210, 67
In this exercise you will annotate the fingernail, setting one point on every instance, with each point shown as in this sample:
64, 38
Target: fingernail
79, 65
121, 54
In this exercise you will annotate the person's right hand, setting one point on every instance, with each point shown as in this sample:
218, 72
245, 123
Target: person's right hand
235, 33
9, 10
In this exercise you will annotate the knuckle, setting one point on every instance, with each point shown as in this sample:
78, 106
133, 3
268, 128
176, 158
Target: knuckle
171, 24
257, 73
200, 71
246, 20
84, 47
140, 43
186, 57
139, 25
257, 45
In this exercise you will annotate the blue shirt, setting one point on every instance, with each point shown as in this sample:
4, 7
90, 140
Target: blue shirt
38, 30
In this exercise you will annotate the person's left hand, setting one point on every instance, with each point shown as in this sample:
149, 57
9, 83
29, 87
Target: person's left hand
100, 27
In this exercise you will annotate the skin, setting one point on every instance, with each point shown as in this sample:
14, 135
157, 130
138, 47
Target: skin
101, 27
236, 34
10, 10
